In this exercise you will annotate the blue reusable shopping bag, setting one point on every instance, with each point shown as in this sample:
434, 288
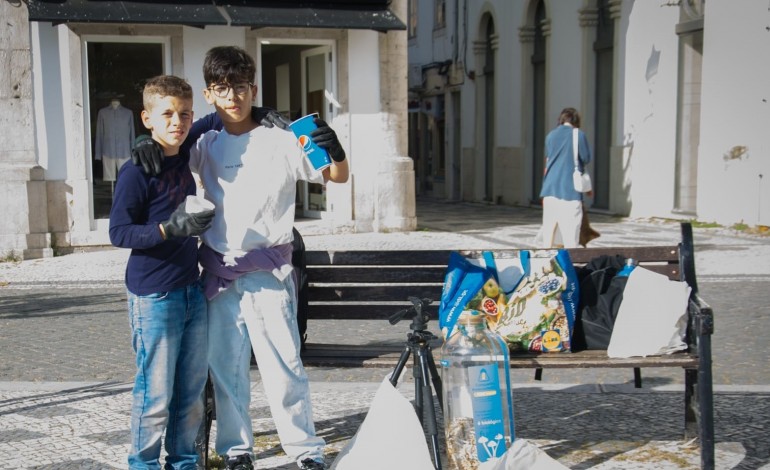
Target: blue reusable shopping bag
462, 282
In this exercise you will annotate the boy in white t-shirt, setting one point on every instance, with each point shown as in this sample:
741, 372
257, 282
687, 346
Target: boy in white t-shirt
250, 173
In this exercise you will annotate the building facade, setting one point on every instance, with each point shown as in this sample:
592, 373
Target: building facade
66, 65
673, 95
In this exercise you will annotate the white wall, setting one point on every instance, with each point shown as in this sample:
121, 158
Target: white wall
507, 78
563, 66
364, 72
49, 113
648, 122
735, 113
196, 42
367, 148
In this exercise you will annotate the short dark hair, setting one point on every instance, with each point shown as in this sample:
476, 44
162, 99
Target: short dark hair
165, 85
570, 115
228, 64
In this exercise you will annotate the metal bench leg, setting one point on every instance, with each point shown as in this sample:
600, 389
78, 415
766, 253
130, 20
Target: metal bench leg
706, 403
539, 373
691, 403
637, 377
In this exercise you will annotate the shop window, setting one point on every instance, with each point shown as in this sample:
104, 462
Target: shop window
439, 21
117, 72
412, 28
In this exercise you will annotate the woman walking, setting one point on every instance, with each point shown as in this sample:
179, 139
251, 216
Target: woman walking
562, 204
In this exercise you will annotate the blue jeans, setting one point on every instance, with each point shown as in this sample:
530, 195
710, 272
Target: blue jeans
169, 337
258, 311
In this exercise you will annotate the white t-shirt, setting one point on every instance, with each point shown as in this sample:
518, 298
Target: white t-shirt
252, 180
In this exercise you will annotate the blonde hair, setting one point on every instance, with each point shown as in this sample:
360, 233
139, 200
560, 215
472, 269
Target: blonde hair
165, 85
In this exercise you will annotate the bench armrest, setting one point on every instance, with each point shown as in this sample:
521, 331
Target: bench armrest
702, 315
700, 323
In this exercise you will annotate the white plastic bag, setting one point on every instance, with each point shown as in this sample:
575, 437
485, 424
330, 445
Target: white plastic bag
652, 318
390, 438
523, 455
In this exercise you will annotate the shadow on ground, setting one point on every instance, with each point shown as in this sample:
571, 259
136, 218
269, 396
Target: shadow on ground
585, 430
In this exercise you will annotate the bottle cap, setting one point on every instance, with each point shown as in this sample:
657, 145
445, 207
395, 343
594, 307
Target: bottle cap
471, 317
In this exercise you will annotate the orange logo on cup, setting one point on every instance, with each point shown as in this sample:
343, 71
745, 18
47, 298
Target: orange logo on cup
304, 142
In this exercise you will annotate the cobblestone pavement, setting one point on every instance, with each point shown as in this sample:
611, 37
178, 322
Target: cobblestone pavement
85, 426
66, 364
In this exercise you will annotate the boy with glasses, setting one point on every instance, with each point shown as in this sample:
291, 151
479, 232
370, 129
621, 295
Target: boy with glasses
167, 309
250, 173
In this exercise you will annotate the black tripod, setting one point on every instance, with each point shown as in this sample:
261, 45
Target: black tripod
423, 369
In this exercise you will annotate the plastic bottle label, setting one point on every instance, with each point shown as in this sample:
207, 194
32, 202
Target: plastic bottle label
487, 412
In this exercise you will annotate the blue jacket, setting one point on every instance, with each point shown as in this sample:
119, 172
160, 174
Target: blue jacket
560, 165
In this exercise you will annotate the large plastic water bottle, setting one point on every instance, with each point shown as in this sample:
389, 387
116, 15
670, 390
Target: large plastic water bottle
478, 407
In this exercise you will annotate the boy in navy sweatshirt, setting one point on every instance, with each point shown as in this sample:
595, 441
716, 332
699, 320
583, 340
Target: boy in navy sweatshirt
167, 309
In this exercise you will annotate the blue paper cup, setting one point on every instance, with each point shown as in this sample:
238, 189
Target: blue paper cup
302, 128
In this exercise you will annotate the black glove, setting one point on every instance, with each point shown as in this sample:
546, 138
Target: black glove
325, 137
182, 224
269, 118
148, 153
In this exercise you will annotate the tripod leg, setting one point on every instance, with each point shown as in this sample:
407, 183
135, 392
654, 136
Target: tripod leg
429, 406
435, 377
419, 386
400, 365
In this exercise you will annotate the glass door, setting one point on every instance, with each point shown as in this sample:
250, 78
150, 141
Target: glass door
316, 73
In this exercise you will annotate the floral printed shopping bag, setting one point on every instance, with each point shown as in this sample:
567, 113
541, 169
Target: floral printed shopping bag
539, 315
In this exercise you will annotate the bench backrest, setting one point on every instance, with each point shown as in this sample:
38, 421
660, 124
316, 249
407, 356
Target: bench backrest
376, 284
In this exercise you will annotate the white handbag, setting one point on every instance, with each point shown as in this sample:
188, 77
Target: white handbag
581, 180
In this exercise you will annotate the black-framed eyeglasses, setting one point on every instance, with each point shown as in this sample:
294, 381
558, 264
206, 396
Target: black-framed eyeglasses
221, 90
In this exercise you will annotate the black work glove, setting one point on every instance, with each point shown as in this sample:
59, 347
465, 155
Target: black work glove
182, 224
148, 153
325, 137
269, 118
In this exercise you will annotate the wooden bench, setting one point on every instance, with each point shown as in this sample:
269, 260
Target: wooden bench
373, 285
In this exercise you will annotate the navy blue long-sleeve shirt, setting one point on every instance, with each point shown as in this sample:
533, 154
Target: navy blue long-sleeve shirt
141, 202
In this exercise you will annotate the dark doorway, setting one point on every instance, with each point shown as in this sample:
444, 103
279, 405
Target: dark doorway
603, 49
489, 111
538, 104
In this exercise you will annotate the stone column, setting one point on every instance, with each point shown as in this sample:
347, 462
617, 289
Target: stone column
394, 194
23, 202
